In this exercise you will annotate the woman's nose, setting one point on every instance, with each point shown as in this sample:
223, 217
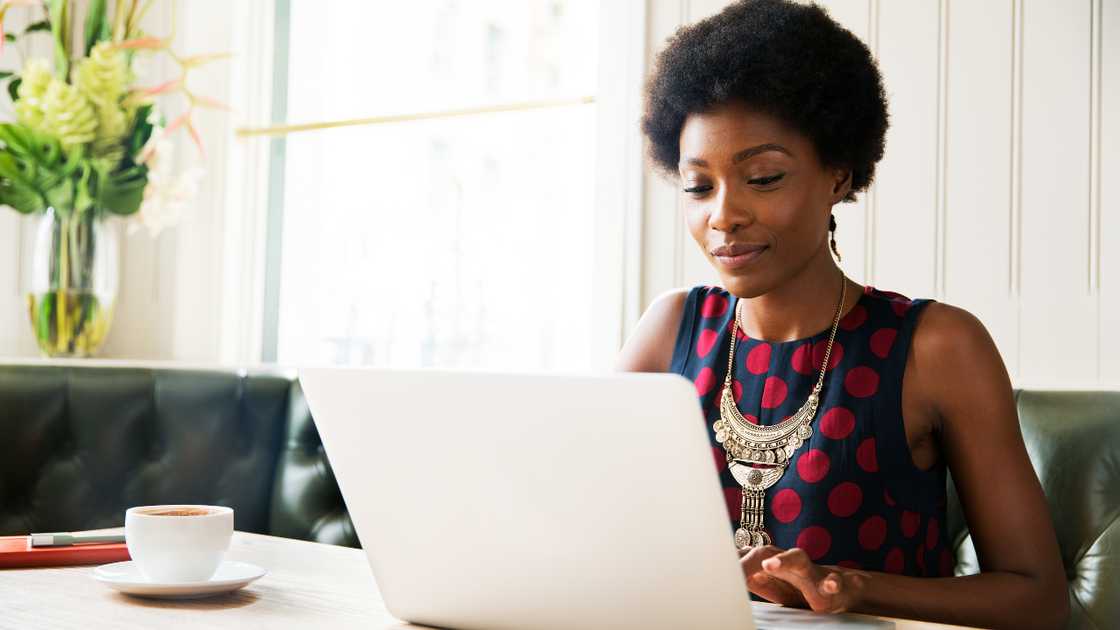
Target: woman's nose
728, 214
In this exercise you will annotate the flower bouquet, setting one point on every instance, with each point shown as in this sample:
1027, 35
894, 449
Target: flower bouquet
88, 143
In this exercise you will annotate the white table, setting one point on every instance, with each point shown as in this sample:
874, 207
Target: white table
309, 585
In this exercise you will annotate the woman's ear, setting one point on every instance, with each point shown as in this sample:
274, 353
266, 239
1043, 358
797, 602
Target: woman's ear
842, 184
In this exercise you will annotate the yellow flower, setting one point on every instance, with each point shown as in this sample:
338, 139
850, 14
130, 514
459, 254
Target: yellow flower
101, 78
103, 75
67, 115
34, 80
111, 128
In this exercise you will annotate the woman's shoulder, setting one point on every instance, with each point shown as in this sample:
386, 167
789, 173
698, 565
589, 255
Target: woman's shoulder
674, 304
896, 301
950, 336
949, 350
939, 328
645, 349
651, 346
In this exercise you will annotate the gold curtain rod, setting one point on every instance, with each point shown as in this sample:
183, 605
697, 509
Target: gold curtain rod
282, 130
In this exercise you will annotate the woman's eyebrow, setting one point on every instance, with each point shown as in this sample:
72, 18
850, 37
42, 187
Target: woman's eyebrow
742, 155
762, 148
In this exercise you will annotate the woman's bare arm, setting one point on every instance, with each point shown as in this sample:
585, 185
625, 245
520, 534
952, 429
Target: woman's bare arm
650, 346
959, 374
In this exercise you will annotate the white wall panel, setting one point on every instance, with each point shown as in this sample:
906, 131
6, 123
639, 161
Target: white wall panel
906, 197
144, 317
659, 217
12, 326
700, 9
1108, 73
1058, 342
978, 165
853, 223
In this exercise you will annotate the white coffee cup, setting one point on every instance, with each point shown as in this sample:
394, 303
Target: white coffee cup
178, 543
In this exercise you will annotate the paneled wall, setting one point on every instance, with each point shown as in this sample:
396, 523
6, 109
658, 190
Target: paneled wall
998, 192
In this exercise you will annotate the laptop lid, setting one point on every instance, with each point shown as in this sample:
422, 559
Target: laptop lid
532, 501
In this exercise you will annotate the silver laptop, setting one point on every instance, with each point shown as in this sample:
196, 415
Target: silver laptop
534, 501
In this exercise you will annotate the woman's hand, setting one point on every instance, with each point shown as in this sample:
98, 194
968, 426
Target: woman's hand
790, 578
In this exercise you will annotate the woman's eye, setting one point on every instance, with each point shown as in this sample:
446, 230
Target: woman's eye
765, 181
698, 189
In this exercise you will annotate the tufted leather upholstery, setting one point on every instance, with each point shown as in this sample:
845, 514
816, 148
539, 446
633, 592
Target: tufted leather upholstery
306, 502
1073, 439
78, 445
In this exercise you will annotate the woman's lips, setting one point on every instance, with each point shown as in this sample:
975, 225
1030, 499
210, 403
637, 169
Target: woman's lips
731, 260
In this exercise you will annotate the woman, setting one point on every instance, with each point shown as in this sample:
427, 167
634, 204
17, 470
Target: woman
768, 114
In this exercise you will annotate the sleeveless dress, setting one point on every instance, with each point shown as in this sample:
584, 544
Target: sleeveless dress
851, 495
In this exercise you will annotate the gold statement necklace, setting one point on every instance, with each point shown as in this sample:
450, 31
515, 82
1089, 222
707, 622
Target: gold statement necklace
758, 455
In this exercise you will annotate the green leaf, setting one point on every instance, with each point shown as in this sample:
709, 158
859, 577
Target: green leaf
48, 149
58, 12
9, 37
82, 198
45, 315
13, 88
120, 192
141, 130
17, 186
11, 169
16, 138
41, 25
35, 172
61, 195
122, 198
97, 26
20, 198
4, 74
73, 161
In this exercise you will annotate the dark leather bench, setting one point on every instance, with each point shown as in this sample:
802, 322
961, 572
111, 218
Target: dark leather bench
80, 444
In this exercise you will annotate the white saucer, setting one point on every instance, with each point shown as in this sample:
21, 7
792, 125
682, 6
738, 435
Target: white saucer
127, 578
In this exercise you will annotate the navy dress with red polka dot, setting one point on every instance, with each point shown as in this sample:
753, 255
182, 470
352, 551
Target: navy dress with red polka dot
851, 495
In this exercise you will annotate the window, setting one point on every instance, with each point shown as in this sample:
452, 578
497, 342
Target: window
451, 241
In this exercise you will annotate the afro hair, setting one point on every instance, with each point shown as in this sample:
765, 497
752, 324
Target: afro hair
791, 61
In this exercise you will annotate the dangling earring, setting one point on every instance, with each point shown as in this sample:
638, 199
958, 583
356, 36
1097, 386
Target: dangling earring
832, 237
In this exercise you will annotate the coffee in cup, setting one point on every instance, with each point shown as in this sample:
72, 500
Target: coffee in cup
178, 511
178, 543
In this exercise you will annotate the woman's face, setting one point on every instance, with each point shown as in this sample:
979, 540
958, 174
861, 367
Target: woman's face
756, 197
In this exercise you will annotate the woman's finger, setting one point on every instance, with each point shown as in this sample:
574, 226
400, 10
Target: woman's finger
832, 584
792, 564
823, 590
751, 561
774, 590
841, 590
764, 585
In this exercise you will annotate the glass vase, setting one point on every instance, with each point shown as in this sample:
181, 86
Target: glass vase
72, 282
